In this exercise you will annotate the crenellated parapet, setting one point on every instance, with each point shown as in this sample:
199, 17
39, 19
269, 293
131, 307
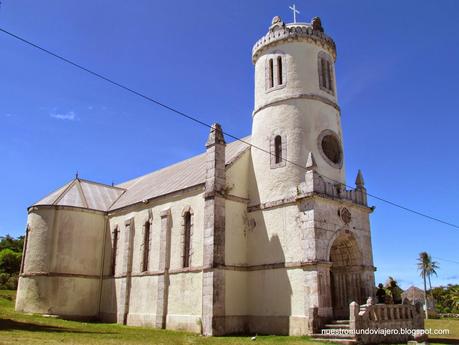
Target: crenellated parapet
318, 184
279, 32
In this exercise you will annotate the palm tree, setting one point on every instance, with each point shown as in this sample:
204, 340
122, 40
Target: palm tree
454, 296
427, 268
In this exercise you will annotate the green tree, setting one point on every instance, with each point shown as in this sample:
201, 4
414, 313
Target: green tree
10, 261
12, 243
446, 298
427, 268
454, 296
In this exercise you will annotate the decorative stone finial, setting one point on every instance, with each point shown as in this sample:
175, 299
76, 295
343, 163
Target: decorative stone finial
370, 301
311, 162
276, 24
359, 182
316, 24
276, 20
215, 135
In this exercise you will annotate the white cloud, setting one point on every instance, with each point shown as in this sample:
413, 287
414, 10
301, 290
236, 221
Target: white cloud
69, 116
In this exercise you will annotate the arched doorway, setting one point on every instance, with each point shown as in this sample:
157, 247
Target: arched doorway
345, 274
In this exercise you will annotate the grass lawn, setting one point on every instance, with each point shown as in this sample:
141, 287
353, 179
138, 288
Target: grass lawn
18, 328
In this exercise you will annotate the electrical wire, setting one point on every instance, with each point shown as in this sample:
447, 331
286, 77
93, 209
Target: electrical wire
196, 120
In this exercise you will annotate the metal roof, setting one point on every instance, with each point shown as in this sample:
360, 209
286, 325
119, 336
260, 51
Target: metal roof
84, 194
96, 196
185, 174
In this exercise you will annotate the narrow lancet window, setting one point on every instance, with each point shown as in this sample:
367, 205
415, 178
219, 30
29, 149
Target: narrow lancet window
114, 250
325, 73
278, 149
187, 239
271, 73
279, 70
146, 246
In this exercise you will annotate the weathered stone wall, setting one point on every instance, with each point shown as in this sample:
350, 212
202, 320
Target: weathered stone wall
299, 111
63, 262
184, 289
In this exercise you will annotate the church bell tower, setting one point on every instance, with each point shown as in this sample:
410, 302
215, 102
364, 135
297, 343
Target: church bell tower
296, 110
305, 218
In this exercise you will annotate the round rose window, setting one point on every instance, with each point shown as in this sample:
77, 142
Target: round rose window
331, 148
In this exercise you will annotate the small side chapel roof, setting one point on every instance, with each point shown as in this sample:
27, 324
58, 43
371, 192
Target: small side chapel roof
96, 196
84, 194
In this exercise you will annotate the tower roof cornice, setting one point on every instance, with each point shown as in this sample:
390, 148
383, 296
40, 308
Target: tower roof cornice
279, 32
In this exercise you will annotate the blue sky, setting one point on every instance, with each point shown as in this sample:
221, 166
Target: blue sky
396, 72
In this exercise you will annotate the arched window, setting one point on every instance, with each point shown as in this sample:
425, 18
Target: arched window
271, 73
325, 73
146, 246
114, 250
186, 238
279, 70
275, 72
278, 149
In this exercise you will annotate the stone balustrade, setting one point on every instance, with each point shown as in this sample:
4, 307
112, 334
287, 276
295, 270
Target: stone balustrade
385, 323
317, 184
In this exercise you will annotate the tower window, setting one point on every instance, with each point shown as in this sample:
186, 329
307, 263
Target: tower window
186, 239
330, 148
325, 73
275, 72
271, 73
114, 250
278, 149
146, 246
279, 70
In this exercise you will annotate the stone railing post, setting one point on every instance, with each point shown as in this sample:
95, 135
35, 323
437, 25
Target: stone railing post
354, 309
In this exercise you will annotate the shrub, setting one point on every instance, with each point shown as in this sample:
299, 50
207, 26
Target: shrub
12, 283
10, 261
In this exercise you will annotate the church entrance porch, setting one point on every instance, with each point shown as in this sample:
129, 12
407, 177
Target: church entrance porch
345, 275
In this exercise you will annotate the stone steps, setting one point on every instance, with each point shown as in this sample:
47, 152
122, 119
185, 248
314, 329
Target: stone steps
338, 341
337, 326
336, 338
344, 322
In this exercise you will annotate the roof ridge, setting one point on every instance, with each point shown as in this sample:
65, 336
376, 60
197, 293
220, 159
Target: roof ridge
66, 189
139, 178
82, 196
114, 201
101, 184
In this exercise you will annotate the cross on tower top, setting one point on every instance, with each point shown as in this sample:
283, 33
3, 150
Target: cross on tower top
295, 12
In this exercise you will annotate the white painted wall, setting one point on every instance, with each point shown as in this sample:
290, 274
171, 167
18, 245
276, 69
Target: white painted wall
63, 262
184, 301
299, 120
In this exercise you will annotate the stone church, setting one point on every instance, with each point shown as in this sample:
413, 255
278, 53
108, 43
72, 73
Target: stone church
260, 235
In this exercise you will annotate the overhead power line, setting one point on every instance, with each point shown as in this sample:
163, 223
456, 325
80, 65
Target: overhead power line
447, 260
196, 120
